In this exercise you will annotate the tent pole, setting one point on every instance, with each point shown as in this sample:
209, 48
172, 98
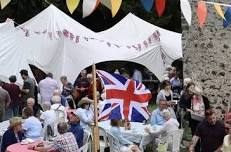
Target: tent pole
95, 130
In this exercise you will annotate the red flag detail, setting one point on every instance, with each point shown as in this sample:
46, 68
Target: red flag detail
160, 7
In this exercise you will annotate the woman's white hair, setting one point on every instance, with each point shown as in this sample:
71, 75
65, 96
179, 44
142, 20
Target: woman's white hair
167, 113
56, 99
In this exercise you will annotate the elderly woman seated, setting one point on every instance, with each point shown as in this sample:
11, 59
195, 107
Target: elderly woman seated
32, 126
169, 125
14, 133
115, 131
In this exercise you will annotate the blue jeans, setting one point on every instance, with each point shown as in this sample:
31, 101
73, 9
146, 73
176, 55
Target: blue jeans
12, 111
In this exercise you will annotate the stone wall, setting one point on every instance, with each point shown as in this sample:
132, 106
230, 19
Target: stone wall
207, 57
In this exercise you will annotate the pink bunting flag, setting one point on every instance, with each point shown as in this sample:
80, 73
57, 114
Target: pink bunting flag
202, 13
160, 6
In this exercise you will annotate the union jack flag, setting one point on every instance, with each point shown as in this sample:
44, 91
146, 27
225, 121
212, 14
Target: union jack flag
125, 98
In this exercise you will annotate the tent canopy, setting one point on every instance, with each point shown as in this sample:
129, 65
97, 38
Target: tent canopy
54, 42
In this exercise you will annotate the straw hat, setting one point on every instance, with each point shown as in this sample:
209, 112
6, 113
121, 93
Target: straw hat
15, 121
84, 100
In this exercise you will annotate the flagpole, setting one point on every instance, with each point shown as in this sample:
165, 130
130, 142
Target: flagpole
95, 127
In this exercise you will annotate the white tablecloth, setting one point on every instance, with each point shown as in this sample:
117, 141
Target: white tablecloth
4, 126
137, 133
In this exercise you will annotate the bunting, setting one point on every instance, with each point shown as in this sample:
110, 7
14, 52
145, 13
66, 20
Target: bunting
113, 5
186, 10
160, 7
227, 20
4, 3
72, 5
201, 13
147, 4
219, 10
89, 6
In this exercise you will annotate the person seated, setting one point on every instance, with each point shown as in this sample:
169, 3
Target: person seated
115, 131
157, 115
56, 106
226, 147
13, 134
76, 128
37, 109
65, 142
169, 125
48, 117
32, 126
85, 112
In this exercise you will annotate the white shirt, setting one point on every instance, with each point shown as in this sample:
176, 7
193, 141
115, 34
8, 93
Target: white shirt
33, 128
49, 117
57, 106
46, 88
86, 116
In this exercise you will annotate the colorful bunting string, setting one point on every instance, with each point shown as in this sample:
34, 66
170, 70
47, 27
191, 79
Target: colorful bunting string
160, 7
72, 5
89, 6
113, 5
4, 3
219, 10
186, 10
227, 20
201, 13
147, 4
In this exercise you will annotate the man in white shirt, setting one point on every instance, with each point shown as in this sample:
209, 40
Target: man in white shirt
46, 87
31, 125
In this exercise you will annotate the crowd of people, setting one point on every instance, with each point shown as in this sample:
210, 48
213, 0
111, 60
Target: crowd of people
75, 112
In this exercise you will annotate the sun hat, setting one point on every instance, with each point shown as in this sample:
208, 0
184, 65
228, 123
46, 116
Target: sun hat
14, 121
84, 100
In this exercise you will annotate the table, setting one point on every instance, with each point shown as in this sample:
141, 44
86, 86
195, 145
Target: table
18, 147
137, 134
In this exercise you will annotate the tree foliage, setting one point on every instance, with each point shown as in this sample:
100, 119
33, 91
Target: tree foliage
100, 19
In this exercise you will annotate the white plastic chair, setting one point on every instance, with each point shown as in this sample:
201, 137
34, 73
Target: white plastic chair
84, 148
87, 140
104, 142
171, 142
113, 142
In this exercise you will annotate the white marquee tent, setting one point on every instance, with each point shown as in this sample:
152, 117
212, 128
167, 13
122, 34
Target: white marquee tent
54, 42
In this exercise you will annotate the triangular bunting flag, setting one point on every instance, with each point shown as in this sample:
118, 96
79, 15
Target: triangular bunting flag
227, 20
219, 10
160, 7
4, 3
113, 5
72, 5
89, 6
201, 13
186, 10
147, 4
